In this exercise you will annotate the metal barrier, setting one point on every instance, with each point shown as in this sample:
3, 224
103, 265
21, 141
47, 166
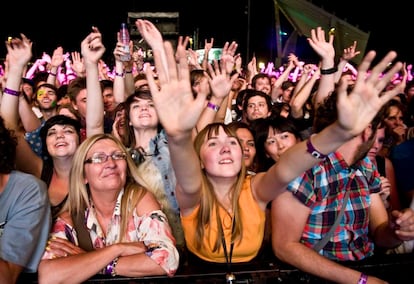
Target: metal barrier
395, 269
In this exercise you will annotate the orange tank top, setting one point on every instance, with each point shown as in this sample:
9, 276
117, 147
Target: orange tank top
253, 218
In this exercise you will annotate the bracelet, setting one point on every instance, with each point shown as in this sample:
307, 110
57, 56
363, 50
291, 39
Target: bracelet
110, 268
119, 74
363, 279
128, 72
53, 74
329, 71
213, 106
315, 153
11, 92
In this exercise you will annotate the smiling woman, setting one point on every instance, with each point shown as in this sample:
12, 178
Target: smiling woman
126, 232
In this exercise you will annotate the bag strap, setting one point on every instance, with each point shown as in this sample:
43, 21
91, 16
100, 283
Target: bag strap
321, 244
84, 238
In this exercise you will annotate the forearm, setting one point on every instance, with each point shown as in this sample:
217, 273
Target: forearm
307, 260
119, 84
209, 114
76, 268
9, 272
297, 159
28, 117
9, 104
129, 82
94, 103
385, 237
185, 162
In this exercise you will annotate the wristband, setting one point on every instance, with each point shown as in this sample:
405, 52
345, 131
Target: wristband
329, 71
119, 74
213, 106
315, 153
53, 74
11, 92
128, 72
363, 279
110, 268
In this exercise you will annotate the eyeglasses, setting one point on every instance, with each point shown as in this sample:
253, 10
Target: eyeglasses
99, 158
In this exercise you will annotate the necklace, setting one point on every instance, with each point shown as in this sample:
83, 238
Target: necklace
230, 277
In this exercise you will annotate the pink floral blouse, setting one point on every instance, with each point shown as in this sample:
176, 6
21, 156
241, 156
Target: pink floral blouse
152, 229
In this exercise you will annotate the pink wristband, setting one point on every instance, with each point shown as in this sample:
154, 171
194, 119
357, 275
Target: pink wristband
11, 92
363, 279
213, 106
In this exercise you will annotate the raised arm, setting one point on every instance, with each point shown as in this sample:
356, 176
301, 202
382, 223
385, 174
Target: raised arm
92, 50
19, 54
56, 60
301, 95
124, 78
355, 112
349, 53
220, 85
326, 51
178, 112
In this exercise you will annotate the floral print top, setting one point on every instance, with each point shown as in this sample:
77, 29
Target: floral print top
152, 229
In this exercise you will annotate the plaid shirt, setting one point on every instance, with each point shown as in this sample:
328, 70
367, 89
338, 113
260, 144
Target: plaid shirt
322, 188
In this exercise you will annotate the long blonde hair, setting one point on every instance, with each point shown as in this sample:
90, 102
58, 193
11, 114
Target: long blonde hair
79, 199
208, 201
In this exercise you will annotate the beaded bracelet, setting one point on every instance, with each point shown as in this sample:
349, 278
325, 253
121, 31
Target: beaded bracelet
11, 92
363, 279
315, 153
213, 106
119, 74
110, 268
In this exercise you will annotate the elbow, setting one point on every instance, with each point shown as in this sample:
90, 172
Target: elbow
280, 252
47, 276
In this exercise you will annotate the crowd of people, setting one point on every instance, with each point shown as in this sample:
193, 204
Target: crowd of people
142, 169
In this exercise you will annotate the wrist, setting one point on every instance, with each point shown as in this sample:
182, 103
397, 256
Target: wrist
11, 92
329, 71
110, 268
313, 151
213, 106
363, 279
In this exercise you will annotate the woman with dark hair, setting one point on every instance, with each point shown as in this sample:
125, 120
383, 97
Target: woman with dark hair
273, 136
60, 134
147, 143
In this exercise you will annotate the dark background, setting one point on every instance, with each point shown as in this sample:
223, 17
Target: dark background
64, 23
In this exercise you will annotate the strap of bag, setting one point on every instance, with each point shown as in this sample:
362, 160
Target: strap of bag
321, 244
84, 238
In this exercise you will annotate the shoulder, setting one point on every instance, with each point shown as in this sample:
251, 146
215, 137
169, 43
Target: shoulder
27, 182
147, 204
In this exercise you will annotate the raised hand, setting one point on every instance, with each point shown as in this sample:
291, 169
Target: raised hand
357, 109
92, 48
19, 51
77, 64
227, 56
323, 48
220, 81
176, 106
350, 52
